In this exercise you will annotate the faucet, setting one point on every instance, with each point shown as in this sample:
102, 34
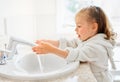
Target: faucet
3, 56
13, 41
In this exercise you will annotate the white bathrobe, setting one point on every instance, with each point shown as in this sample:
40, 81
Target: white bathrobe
96, 50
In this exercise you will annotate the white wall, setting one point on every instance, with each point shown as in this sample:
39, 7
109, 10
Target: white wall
29, 19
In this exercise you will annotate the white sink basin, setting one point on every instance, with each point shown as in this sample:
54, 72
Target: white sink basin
28, 68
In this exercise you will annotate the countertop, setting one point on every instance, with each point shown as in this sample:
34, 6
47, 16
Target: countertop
82, 74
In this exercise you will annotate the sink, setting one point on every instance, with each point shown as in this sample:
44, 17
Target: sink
33, 67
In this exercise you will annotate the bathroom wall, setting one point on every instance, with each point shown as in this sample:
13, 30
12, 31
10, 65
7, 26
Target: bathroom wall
28, 19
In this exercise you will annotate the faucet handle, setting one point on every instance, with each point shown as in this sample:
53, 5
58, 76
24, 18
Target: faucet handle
3, 56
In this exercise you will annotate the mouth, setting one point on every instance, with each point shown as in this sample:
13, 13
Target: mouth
78, 35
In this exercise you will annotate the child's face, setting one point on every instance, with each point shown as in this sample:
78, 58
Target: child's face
84, 29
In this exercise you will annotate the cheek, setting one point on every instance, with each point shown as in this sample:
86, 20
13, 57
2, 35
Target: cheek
82, 31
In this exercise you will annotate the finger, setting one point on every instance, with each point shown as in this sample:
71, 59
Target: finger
40, 40
37, 42
43, 43
40, 52
44, 40
33, 49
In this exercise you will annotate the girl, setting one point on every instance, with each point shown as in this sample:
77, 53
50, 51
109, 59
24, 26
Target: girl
94, 44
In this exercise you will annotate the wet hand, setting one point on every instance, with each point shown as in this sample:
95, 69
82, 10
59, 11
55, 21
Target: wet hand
43, 47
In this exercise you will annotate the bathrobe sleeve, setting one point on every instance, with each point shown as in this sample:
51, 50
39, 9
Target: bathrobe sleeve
63, 43
89, 52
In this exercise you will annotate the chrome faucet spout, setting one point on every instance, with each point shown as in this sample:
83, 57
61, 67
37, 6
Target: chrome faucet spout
13, 42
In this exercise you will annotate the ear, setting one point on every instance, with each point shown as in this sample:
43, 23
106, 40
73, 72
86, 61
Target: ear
95, 27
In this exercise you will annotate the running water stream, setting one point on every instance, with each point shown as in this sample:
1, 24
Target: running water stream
40, 64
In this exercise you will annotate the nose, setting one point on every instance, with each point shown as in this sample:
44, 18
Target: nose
76, 29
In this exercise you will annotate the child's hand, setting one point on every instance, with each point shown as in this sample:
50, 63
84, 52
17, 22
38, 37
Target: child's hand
39, 41
43, 47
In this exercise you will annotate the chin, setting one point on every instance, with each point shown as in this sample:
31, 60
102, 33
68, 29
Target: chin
80, 38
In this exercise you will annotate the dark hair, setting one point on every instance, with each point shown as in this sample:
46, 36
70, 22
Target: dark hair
96, 14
